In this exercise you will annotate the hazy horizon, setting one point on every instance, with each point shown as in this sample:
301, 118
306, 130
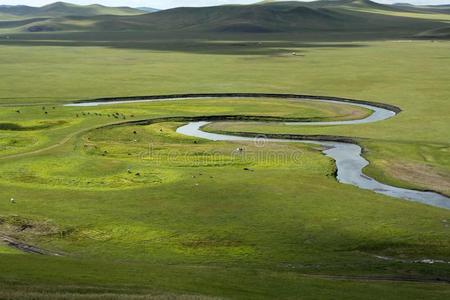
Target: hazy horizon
164, 4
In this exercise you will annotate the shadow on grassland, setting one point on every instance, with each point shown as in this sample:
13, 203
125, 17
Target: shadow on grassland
226, 44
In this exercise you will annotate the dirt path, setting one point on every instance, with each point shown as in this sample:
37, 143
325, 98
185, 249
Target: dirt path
58, 144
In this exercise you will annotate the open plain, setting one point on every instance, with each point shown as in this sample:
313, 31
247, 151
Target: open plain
93, 210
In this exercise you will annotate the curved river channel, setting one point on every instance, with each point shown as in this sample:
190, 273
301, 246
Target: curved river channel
349, 162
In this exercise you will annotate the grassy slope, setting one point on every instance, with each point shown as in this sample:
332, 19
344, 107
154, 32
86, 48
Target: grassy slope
364, 18
237, 234
61, 9
221, 241
229, 283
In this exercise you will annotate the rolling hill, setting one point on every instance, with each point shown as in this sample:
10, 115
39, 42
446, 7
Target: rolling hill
62, 9
360, 18
424, 8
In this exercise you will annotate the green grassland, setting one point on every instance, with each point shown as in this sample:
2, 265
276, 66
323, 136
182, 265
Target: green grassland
193, 209
61, 9
141, 212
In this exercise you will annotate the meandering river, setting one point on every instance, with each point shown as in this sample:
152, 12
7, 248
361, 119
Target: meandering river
349, 162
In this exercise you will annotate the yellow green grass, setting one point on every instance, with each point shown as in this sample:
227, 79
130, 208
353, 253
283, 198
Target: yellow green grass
29, 128
417, 15
194, 222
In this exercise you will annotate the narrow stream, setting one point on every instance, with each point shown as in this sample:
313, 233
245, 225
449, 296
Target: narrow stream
349, 162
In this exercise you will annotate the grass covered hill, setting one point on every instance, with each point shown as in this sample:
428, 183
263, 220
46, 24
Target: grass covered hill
358, 19
291, 16
62, 9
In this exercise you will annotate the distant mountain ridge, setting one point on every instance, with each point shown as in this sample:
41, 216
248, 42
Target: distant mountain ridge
359, 17
148, 9
63, 9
